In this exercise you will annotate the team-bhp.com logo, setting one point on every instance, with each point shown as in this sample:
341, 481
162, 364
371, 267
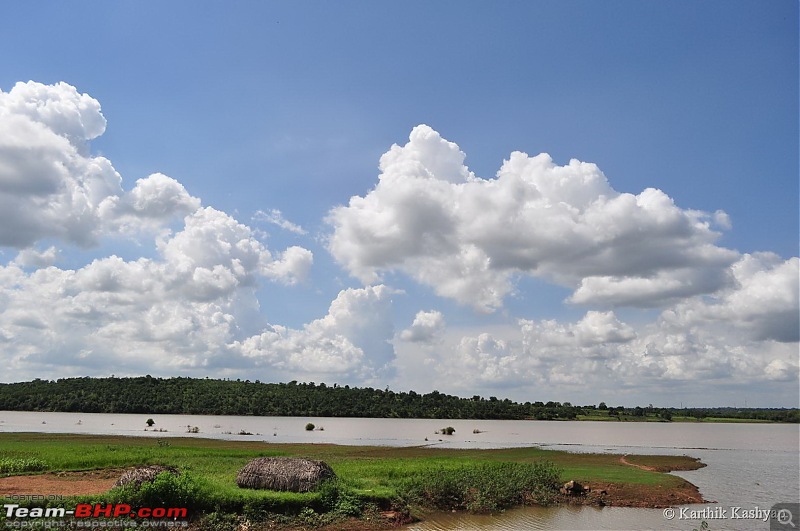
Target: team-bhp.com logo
95, 510
95, 515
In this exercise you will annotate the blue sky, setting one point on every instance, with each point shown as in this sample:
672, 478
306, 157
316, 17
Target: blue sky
419, 282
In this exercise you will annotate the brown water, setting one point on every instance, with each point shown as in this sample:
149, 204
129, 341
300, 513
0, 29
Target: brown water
588, 518
749, 465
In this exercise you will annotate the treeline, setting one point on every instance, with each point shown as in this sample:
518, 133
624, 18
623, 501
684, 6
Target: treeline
193, 396
670, 413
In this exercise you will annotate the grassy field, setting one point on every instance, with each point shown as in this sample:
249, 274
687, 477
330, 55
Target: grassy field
721, 419
602, 416
370, 475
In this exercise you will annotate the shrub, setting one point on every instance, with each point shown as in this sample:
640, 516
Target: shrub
166, 490
336, 497
11, 465
218, 522
482, 488
310, 427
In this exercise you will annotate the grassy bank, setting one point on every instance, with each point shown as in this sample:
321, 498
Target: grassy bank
370, 479
603, 416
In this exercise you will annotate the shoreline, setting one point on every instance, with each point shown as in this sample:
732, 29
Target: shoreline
637, 481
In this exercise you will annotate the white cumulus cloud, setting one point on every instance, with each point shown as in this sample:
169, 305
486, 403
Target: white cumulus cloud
426, 328
350, 342
467, 238
51, 186
177, 311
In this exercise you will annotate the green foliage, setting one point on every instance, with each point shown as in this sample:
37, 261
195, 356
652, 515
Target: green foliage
336, 497
150, 422
484, 488
448, 430
166, 490
150, 396
12, 465
309, 516
310, 427
217, 521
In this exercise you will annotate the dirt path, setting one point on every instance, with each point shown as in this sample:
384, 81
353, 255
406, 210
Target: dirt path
61, 483
640, 467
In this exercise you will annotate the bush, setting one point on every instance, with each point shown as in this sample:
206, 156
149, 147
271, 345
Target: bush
484, 488
336, 497
166, 490
11, 465
218, 522
310, 427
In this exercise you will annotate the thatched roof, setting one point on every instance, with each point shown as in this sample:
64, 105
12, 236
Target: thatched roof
284, 473
143, 474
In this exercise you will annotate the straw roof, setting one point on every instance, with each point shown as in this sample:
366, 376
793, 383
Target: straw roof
143, 474
284, 473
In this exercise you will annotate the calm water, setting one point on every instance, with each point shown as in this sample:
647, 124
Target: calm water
749, 465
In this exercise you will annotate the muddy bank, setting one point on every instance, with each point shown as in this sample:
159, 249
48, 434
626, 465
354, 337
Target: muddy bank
61, 483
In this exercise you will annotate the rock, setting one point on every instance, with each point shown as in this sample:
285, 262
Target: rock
573, 488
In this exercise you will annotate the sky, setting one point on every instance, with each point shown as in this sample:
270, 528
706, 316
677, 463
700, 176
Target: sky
553, 200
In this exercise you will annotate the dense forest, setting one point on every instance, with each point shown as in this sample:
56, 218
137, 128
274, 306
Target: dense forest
150, 395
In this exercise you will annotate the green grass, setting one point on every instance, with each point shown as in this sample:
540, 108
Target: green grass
17, 465
377, 475
721, 419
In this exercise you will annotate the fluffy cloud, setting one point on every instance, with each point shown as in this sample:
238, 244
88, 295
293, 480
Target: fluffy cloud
292, 266
176, 312
190, 304
426, 328
350, 342
744, 334
36, 259
49, 185
762, 306
557, 360
467, 238
548, 352
153, 202
179, 311
52, 187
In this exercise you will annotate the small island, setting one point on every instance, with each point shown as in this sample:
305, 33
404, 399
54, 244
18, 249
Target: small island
365, 488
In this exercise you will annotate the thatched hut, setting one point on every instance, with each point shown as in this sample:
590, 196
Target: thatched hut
143, 474
284, 473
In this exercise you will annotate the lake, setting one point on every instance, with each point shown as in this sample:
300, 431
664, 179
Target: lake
749, 465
